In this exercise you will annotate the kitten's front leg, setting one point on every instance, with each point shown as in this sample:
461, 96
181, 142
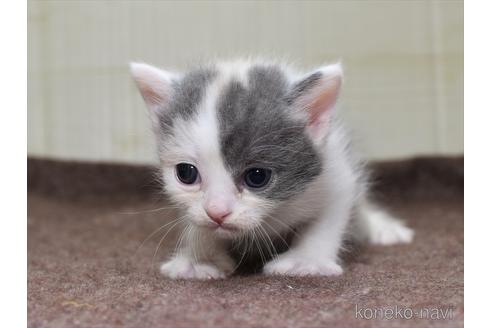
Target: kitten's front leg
315, 252
202, 258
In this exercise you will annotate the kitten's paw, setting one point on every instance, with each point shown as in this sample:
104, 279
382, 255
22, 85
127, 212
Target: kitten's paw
299, 266
390, 233
183, 268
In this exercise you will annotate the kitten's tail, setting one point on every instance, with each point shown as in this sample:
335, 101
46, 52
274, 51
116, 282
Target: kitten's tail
376, 226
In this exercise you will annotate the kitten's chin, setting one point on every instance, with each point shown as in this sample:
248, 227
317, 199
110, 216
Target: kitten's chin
226, 231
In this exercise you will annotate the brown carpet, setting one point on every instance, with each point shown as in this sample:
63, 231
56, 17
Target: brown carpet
86, 223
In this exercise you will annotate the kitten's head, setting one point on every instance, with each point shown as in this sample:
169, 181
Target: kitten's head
236, 140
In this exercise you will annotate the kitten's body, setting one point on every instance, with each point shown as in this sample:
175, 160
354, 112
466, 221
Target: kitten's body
230, 118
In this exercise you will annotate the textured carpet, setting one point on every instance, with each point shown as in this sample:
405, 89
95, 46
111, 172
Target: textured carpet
88, 265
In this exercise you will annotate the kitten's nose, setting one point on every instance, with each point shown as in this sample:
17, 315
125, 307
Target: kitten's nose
218, 214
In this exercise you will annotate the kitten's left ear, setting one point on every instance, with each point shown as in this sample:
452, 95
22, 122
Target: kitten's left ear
315, 97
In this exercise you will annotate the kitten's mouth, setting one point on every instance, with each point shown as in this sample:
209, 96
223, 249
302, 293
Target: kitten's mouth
227, 227
222, 227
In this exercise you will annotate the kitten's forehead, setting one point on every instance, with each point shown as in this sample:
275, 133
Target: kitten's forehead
265, 83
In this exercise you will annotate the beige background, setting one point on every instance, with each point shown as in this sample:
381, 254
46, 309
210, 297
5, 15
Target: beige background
404, 67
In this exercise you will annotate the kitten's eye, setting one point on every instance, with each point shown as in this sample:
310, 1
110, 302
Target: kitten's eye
187, 173
257, 178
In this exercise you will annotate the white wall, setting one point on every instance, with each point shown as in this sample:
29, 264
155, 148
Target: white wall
404, 64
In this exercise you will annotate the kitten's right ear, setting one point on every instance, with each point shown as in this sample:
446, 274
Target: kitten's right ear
155, 85
315, 96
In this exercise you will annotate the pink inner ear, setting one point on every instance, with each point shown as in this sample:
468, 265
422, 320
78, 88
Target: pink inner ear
153, 91
322, 103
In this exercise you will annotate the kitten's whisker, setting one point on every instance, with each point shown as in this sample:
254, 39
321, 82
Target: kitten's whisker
180, 239
190, 239
151, 210
153, 233
194, 232
162, 239
258, 246
245, 250
284, 224
278, 234
273, 250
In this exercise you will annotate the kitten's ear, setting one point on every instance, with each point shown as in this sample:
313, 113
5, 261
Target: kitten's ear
154, 84
316, 96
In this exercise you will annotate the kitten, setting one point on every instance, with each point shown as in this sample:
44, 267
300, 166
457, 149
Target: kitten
252, 150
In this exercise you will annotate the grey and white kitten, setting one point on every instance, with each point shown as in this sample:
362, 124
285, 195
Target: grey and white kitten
251, 150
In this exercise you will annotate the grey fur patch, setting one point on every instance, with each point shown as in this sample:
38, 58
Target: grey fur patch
187, 95
256, 131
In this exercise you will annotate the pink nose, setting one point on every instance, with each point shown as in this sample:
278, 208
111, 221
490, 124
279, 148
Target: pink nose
218, 215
